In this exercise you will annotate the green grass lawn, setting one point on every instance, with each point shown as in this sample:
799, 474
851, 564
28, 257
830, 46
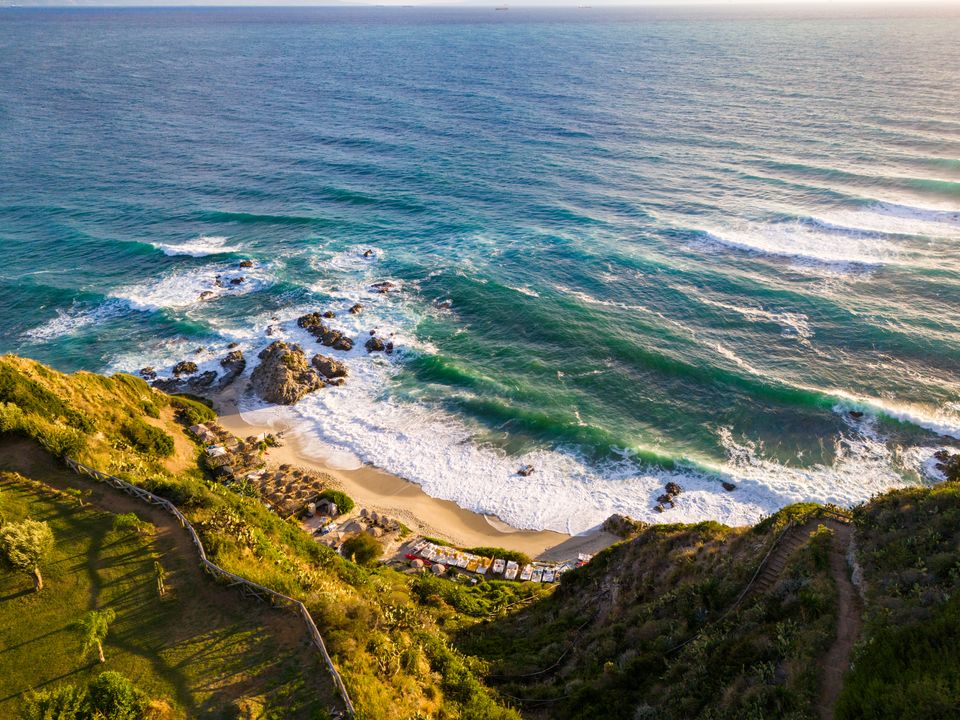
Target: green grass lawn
203, 648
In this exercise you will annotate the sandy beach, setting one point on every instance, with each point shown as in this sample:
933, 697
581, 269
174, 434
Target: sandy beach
388, 494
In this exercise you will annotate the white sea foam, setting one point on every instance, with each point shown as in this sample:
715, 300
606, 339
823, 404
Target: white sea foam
183, 288
893, 219
808, 244
791, 324
524, 290
72, 320
201, 246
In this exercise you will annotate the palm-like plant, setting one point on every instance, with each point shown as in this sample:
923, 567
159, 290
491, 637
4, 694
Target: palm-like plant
93, 629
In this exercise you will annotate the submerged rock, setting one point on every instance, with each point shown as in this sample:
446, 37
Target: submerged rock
328, 367
148, 373
383, 287
525, 470
673, 488
329, 314
356, 309
729, 486
237, 280
368, 253
284, 375
246, 263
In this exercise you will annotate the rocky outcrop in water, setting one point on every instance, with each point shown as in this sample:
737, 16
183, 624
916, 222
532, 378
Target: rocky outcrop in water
284, 375
356, 309
233, 364
948, 464
313, 324
375, 344
328, 367
185, 367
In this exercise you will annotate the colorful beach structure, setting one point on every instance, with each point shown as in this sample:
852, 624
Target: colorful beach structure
424, 553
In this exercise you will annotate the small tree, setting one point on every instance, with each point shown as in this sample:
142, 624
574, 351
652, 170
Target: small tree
362, 549
94, 628
24, 545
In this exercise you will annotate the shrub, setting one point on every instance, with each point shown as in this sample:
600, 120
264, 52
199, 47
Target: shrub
190, 410
183, 493
344, 502
66, 702
495, 552
129, 522
362, 549
147, 439
115, 697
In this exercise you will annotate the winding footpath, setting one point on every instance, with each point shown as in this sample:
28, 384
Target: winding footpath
849, 621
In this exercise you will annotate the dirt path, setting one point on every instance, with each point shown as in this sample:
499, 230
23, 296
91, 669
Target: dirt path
849, 622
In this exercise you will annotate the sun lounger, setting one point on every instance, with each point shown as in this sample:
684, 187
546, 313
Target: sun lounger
499, 566
526, 572
549, 575
512, 570
537, 575
483, 566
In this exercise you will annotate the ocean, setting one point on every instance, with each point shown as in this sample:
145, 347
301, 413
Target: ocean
631, 246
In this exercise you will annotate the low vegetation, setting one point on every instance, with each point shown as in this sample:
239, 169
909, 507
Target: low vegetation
646, 630
909, 664
111, 696
649, 629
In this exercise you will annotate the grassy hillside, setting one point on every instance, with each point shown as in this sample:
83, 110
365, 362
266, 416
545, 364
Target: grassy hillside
644, 631
197, 651
654, 627
387, 644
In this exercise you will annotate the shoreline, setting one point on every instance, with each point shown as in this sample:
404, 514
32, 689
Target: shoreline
389, 494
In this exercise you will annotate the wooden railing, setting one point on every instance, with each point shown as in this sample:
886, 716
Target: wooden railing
247, 587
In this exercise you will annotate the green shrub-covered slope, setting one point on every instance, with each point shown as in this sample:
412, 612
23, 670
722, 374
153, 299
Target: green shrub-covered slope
649, 629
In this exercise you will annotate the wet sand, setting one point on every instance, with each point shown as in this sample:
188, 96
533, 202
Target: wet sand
388, 494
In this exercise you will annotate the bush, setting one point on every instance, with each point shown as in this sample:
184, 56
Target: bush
129, 522
114, 697
495, 552
147, 439
110, 697
190, 410
362, 549
344, 502
907, 672
66, 702
182, 493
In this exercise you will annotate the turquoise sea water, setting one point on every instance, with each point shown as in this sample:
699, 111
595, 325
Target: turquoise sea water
674, 246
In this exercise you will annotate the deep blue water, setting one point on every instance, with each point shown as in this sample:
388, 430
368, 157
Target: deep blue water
674, 245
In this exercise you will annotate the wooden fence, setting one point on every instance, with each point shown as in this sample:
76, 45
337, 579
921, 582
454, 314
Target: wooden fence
260, 592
